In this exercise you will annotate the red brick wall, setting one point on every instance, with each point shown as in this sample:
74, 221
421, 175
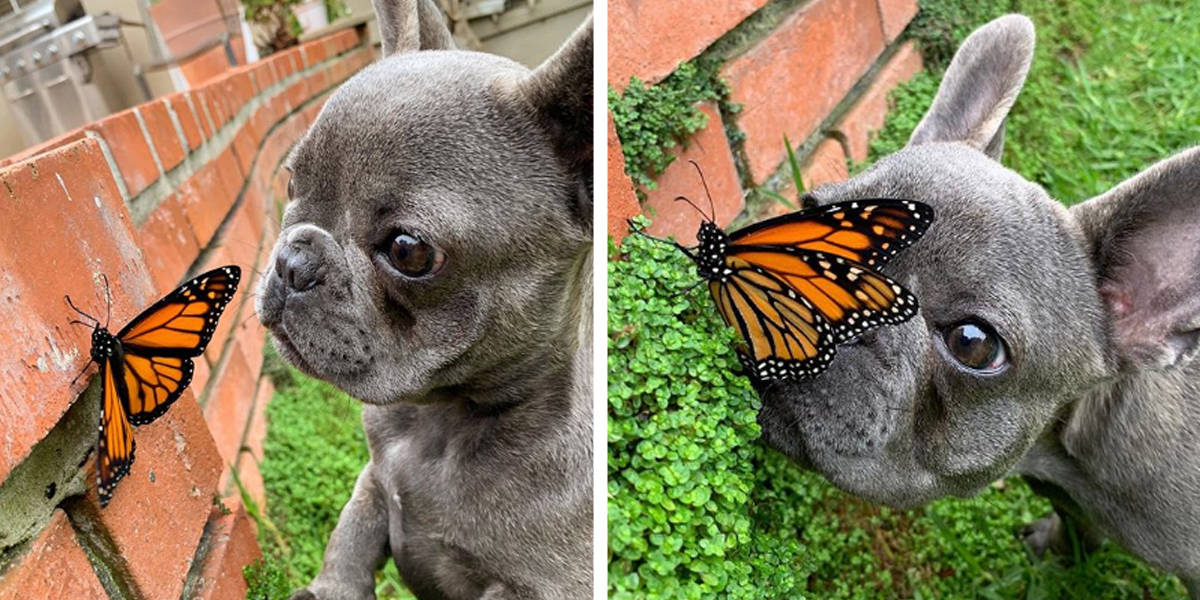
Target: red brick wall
147, 197
819, 73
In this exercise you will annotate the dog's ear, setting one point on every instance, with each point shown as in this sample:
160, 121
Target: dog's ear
980, 87
1144, 237
411, 25
560, 94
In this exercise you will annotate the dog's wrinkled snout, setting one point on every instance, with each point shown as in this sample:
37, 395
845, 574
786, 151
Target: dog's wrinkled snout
298, 267
300, 260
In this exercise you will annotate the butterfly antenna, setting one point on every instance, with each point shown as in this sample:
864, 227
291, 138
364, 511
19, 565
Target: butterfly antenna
108, 297
702, 213
94, 322
712, 207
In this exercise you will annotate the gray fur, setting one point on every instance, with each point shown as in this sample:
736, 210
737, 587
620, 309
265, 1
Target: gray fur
476, 380
1099, 406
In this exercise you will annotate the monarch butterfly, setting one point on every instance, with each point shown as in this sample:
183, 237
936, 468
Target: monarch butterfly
148, 364
797, 285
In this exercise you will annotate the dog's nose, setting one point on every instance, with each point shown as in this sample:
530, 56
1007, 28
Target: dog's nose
297, 266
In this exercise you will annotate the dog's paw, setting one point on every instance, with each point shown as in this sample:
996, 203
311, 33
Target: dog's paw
1046, 534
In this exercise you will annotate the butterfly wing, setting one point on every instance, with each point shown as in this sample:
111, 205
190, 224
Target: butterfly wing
851, 297
785, 336
116, 434
868, 232
160, 343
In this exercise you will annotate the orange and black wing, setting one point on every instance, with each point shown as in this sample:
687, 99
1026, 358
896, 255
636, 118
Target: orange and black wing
868, 232
160, 343
786, 338
851, 297
116, 434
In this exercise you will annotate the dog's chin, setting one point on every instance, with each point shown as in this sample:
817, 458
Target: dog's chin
853, 436
368, 385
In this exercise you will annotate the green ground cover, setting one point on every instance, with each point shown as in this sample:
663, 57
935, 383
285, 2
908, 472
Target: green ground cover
312, 455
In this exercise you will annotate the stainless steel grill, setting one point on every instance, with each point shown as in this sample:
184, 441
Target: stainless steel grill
45, 71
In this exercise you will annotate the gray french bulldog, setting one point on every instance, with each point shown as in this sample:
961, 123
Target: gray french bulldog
435, 263
1055, 343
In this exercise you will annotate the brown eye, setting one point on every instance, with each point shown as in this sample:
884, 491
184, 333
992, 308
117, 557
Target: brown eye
976, 346
414, 257
291, 190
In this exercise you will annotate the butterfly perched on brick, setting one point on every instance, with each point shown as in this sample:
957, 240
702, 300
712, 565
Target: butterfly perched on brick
146, 366
797, 285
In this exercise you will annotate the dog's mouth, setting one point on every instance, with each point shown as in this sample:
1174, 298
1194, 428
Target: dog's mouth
289, 352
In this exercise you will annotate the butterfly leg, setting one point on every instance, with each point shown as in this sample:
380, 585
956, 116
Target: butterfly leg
357, 547
634, 229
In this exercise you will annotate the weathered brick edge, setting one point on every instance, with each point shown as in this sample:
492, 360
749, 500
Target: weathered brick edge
146, 197
821, 76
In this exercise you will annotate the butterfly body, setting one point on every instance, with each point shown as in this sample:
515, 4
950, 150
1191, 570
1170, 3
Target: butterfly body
796, 286
148, 364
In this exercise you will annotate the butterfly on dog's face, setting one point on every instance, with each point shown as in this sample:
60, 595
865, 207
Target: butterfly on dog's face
146, 366
795, 286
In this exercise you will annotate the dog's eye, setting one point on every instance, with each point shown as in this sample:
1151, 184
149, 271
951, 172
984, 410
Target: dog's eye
976, 346
291, 189
414, 257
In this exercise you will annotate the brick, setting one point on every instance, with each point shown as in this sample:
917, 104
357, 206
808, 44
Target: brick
232, 546
826, 164
250, 334
130, 150
279, 184
204, 68
869, 112
649, 38
188, 121
282, 66
710, 150
260, 123
622, 201
789, 82
318, 81
250, 453
241, 88
210, 193
200, 376
54, 567
245, 148
215, 100
168, 243
313, 109
203, 115
169, 489
42, 148
315, 52
239, 245
229, 405
297, 93
163, 134
896, 15
349, 39
67, 189
264, 76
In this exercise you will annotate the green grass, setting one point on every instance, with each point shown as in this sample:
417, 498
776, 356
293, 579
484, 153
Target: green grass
1111, 91
312, 455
